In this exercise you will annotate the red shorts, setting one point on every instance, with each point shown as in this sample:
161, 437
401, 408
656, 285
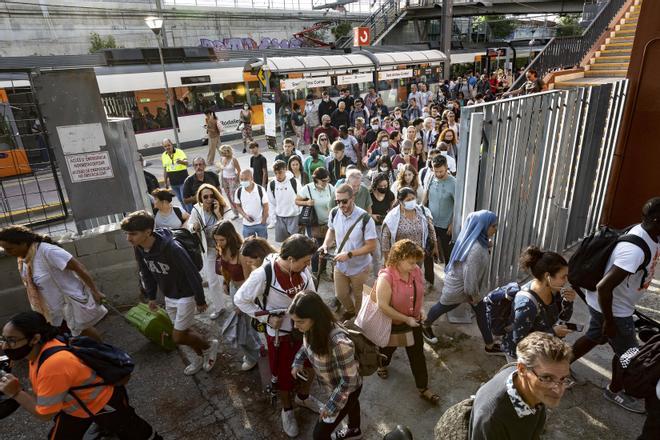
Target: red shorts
281, 360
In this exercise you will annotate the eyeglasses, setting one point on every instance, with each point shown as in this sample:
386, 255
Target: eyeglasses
10, 342
208, 196
549, 381
342, 201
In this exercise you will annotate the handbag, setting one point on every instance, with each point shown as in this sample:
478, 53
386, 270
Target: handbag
375, 324
402, 334
307, 216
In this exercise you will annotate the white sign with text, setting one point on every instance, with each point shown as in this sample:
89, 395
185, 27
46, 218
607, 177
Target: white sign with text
301, 83
394, 74
89, 166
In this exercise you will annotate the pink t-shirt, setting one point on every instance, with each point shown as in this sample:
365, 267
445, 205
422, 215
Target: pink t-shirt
407, 295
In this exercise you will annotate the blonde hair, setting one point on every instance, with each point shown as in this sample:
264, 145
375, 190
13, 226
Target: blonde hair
227, 150
401, 176
224, 206
403, 250
541, 346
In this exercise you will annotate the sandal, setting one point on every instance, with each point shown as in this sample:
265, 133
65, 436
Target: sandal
429, 396
382, 372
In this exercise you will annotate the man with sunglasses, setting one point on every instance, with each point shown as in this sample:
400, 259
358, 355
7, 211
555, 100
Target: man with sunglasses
353, 231
512, 405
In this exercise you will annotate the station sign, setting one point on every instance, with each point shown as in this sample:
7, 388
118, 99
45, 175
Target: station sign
394, 74
89, 166
361, 36
261, 75
301, 83
355, 78
270, 114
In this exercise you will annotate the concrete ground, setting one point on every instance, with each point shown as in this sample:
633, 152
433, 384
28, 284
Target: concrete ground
229, 404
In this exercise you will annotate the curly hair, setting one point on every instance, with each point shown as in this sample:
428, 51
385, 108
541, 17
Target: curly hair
17, 234
403, 250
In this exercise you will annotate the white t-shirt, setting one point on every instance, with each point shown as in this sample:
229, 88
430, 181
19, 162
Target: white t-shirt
451, 162
629, 257
53, 280
251, 203
283, 203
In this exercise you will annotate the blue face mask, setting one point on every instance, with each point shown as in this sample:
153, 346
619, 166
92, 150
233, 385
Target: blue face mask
245, 184
409, 205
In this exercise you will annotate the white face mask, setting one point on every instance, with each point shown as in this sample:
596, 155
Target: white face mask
409, 205
385, 144
245, 183
384, 168
374, 127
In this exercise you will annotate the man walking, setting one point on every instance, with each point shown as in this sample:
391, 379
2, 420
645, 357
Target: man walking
252, 203
282, 200
439, 196
194, 181
175, 170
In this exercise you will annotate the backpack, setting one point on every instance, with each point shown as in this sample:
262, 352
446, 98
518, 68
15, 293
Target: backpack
641, 368
176, 211
294, 185
455, 422
587, 266
240, 191
499, 307
366, 352
191, 244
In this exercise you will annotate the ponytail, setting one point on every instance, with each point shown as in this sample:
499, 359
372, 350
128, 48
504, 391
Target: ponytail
538, 262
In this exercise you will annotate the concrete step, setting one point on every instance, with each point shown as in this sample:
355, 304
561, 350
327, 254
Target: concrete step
620, 39
630, 33
607, 66
608, 61
627, 24
616, 52
606, 73
618, 44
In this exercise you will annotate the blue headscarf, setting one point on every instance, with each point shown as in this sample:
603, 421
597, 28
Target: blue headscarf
475, 229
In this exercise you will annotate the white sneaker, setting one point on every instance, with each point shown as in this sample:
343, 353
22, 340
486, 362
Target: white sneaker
271, 225
216, 315
311, 403
195, 365
247, 364
289, 423
210, 354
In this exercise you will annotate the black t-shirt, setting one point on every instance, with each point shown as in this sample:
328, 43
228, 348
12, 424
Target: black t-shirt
258, 164
192, 184
177, 177
381, 207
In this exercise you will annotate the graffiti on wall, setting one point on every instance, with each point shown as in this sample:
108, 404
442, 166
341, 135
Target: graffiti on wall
248, 43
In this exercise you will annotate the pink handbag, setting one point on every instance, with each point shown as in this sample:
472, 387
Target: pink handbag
375, 324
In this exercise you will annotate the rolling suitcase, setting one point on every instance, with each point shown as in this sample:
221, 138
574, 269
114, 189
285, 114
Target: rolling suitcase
155, 326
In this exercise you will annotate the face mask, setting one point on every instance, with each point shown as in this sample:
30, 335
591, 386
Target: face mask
245, 107
382, 190
245, 184
326, 99
384, 168
16, 354
375, 127
384, 144
409, 205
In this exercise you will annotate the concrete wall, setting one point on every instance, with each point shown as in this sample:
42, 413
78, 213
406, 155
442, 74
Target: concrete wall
62, 27
107, 255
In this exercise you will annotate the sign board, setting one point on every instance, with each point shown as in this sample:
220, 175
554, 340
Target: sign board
385, 75
89, 166
361, 36
261, 75
355, 78
270, 119
81, 138
301, 83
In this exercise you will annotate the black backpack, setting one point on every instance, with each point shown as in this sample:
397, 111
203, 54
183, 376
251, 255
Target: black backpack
587, 266
641, 368
294, 185
191, 244
240, 191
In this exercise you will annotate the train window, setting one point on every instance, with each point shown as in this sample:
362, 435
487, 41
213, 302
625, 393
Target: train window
216, 97
147, 109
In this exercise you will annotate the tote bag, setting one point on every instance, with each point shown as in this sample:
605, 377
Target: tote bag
375, 324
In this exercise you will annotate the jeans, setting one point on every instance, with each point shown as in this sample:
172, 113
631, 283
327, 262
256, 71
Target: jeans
323, 431
178, 192
479, 308
625, 337
443, 243
258, 230
415, 357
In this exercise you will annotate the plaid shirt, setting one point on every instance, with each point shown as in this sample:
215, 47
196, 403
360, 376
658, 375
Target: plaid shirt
337, 371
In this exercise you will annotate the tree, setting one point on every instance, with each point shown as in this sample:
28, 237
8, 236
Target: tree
568, 26
500, 26
97, 42
342, 29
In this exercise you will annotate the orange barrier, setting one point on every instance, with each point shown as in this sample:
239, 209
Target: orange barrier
14, 163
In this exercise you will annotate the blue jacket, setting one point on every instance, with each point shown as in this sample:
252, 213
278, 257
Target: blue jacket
168, 266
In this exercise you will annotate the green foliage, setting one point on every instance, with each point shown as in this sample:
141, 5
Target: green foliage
568, 26
500, 26
97, 42
342, 29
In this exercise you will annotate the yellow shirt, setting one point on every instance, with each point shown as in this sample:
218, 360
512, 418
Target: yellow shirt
169, 162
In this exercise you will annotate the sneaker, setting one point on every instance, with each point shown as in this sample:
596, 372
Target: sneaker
289, 423
625, 401
311, 403
195, 365
347, 433
247, 364
271, 225
210, 354
428, 334
495, 349
216, 315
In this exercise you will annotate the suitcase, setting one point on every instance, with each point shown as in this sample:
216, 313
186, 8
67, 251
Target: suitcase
155, 326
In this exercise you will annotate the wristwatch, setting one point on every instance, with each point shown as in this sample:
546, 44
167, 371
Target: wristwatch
350, 255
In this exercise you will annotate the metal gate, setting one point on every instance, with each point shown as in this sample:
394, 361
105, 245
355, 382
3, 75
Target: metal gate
541, 163
31, 193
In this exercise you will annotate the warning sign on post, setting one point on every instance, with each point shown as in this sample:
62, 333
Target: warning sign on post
89, 166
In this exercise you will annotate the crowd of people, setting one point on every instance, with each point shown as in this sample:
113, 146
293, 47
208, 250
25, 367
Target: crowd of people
372, 200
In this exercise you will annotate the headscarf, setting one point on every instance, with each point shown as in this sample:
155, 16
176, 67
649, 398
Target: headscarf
475, 229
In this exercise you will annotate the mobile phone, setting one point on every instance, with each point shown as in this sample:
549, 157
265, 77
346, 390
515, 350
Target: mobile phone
575, 327
302, 376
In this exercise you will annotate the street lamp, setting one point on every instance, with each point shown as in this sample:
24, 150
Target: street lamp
156, 26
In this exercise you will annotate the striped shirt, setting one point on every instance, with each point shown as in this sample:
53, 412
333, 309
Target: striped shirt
338, 371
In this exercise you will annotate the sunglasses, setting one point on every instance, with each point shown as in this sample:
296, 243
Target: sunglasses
208, 196
342, 201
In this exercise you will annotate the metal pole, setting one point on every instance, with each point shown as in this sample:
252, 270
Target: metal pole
167, 92
447, 20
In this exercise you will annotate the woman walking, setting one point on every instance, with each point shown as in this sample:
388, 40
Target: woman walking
382, 200
332, 355
229, 171
245, 118
166, 215
298, 124
206, 214
295, 167
58, 286
408, 177
400, 296
213, 131
465, 276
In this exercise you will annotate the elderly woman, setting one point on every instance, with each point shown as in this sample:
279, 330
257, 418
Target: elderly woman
209, 210
465, 276
166, 215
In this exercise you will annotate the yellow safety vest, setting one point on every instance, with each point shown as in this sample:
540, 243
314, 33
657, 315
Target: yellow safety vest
169, 163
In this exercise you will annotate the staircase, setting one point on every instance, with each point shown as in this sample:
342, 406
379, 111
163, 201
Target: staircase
381, 22
610, 62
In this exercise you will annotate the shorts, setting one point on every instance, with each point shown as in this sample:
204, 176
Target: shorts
625, 337
181, 311
282, 361
285, 227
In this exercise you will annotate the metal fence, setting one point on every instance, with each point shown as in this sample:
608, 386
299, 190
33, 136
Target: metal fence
542, 164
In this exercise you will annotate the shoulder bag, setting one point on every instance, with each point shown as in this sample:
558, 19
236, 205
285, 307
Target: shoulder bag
307, 216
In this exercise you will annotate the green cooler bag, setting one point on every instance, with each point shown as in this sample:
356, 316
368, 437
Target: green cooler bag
156, 326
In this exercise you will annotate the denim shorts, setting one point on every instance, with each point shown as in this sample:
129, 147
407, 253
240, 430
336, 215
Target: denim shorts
625, 337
